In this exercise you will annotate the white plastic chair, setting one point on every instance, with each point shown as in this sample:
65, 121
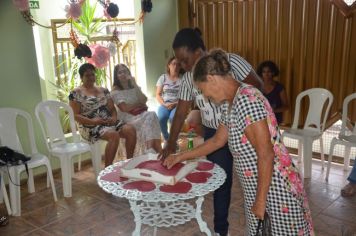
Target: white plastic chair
3, 192
348, 141
10, 137
313, 127
48, 115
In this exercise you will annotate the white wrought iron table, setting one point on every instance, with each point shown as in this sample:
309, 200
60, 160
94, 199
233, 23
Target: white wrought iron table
162, 209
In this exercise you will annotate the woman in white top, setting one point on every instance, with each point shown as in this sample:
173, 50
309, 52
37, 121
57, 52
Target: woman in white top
131, 102
168, 86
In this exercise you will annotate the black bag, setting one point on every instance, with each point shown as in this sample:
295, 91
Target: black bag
264, 227
9, 157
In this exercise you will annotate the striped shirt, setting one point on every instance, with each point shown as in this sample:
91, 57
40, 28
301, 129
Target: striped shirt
210, 112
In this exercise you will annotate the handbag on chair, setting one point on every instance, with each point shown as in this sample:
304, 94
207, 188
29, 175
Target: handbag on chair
9, 157
264, 226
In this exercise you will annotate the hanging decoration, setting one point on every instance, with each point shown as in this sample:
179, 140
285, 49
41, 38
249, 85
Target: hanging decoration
111, 10
100, 56
146, 7
80, 50
73, 11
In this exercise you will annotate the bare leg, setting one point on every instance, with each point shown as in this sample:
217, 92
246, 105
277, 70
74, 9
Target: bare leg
155, 144
112, 138
128, 132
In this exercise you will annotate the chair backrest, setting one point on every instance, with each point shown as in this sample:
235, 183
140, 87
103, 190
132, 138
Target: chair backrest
315, 119
48, 115
345, 106
9, 135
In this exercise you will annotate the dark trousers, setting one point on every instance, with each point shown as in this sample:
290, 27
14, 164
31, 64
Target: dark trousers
222, 195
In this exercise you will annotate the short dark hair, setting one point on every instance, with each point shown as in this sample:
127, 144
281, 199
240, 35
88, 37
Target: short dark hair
271, 65
190, 38
215, 63
85, 67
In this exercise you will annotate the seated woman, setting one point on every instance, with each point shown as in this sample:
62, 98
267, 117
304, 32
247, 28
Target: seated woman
167, 95
270, 181
96, 115
273, 90
133, 110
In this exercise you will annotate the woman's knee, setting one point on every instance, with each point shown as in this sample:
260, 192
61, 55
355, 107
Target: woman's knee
111, 136
128, 131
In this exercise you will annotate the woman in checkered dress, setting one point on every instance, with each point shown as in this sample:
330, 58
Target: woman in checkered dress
269, 179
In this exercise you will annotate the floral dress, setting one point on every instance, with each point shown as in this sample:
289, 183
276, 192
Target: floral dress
91, 107
146, 124
287, 204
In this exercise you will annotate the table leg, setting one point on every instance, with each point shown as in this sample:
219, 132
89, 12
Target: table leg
202, 224
135, 208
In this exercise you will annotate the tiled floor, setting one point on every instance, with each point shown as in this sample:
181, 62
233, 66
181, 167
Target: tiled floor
93, 212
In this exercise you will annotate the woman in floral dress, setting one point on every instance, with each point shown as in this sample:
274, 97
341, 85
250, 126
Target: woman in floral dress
269, 179
95, 113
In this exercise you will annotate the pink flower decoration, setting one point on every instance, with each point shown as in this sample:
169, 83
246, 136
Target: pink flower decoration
74, 10
100, 56
248, 173
243, 139
22, 5
285, 161
285, 209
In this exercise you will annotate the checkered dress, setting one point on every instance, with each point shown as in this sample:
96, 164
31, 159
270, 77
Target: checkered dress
287, 204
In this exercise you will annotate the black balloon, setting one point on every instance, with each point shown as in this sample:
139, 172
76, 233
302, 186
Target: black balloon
146, 5
82, 51
112, 10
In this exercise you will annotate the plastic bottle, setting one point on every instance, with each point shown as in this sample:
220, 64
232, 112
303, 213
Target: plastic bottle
191, 136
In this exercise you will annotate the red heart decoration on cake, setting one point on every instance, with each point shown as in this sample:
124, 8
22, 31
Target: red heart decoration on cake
142, 186
180, 187
198, 177
205, 166
113, 177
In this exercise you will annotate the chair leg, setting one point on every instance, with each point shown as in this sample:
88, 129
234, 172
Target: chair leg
3, 194
50, 177
307, 157
322, 153
15, 192
80, 162
67, 168
331, 152
47, 180
347, 157
30, 183
300, 151
96, 157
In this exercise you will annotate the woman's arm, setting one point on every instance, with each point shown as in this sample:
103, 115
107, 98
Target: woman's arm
113, 112
212, 144
253, 79
159, 90
285, 104
141, 96
82, 119
124, 107
258, 135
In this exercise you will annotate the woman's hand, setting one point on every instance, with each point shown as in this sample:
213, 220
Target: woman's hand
111, 121
170, 106
171, 160
258, 209
98, 121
